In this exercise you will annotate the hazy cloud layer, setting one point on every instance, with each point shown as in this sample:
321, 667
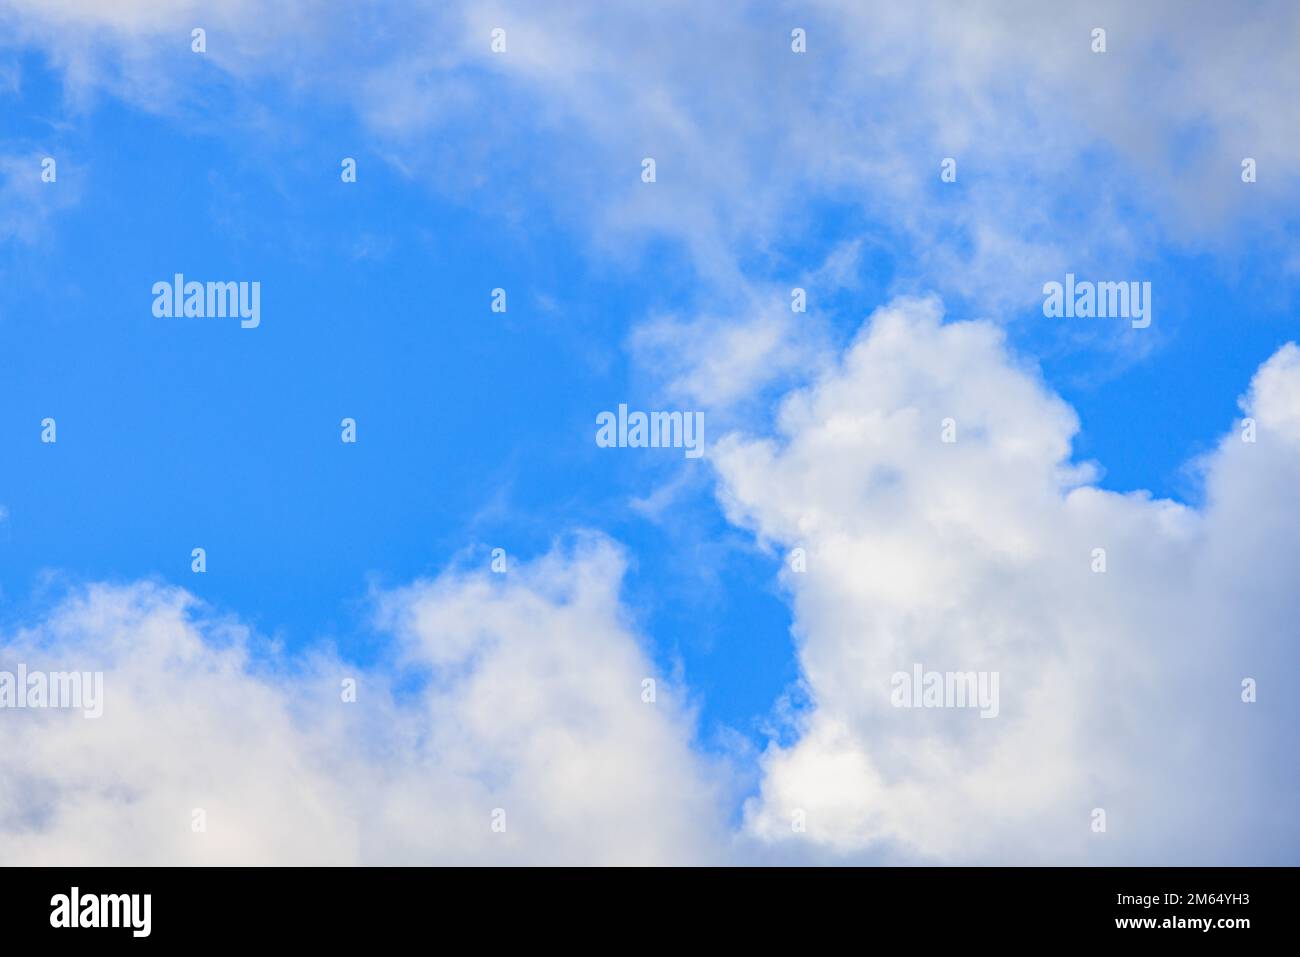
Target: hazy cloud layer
1066, 158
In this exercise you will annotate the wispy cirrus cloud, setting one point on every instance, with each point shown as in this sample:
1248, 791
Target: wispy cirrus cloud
1065, 156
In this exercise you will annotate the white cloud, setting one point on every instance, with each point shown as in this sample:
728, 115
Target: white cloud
128, 16
533, 705
730, 358
26, 202
1068, 160
1118, 690
1136, 145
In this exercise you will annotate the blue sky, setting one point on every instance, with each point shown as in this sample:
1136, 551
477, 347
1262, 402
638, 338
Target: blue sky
475, 428
474, 425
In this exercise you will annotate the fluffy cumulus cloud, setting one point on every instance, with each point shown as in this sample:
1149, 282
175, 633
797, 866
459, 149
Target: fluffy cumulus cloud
522, 693
1118, 690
